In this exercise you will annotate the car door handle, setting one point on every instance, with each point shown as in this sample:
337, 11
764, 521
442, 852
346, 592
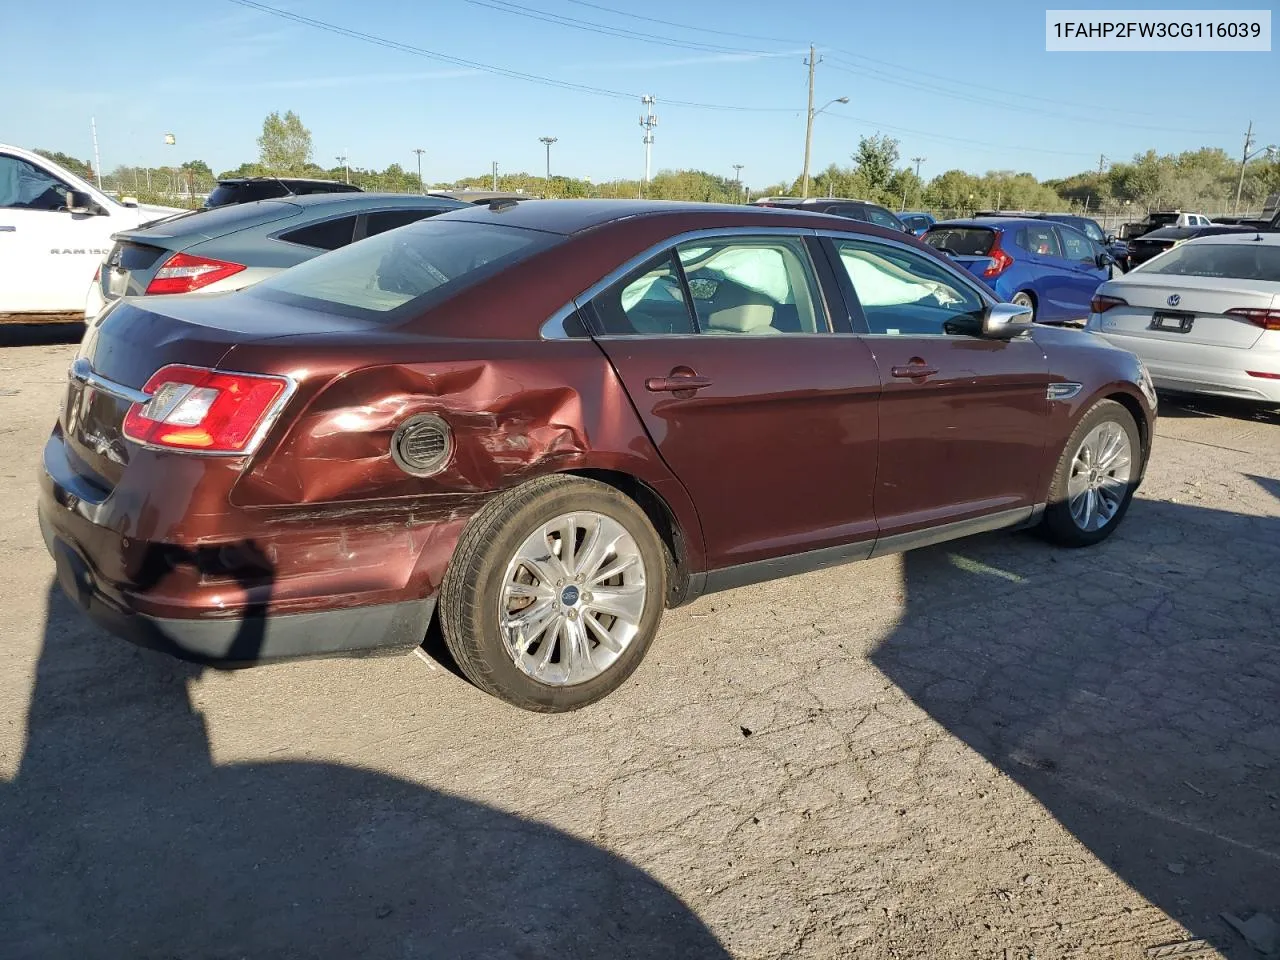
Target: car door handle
675, 384
913, 371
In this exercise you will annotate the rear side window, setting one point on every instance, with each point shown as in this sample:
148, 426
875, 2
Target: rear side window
1042, 241
402, 268
325, 235
883, 218
1234, 261
385, 220
649, 301
961, 241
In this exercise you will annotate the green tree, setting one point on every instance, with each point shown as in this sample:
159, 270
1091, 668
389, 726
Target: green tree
80, 168
285, 144
876, 159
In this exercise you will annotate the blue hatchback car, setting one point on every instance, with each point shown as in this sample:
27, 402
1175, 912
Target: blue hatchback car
1049, 267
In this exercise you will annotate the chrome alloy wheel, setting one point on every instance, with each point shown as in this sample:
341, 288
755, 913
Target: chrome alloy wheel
1100, 474
572, 598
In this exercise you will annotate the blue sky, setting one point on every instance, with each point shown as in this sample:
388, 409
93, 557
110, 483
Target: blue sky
965, 85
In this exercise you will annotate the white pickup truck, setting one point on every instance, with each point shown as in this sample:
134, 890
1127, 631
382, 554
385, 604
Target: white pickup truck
55, 229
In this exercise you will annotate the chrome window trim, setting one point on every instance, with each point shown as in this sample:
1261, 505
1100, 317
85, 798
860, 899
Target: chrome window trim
553, 327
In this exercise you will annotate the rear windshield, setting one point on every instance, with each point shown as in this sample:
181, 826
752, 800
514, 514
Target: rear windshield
410, 267
1234, 261
1162, 219
961, 241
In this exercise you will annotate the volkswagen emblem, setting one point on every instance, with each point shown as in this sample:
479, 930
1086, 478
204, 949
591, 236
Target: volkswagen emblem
1174, 300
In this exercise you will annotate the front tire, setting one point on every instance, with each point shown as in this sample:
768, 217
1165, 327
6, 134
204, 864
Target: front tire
1094, 481
554, 593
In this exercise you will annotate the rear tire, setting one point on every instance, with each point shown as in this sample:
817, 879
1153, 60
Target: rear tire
527, 616
1095, 478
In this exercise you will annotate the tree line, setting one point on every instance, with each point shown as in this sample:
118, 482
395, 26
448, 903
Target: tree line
1205, 180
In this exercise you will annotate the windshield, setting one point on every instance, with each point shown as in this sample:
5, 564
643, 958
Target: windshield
962, 241
1236, 261
402, 268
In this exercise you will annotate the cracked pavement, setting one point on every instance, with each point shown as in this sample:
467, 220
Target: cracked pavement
992, 748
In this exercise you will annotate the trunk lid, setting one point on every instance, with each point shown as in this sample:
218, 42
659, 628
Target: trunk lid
1200, 300
132, 341
139, 253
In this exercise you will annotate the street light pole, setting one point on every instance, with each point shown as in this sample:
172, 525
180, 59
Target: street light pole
737, 182
548, 141
422, 187
342, 159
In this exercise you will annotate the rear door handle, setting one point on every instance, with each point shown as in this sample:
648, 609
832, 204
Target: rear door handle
675, 384
913, 371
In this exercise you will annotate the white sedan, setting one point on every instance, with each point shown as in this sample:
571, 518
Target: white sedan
1204, 317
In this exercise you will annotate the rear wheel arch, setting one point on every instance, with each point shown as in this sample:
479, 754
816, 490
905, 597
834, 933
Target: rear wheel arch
675, 535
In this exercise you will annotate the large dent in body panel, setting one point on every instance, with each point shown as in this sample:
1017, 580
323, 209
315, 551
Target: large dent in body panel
508, 423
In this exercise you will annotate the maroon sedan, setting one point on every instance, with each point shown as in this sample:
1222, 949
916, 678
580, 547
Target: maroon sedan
546, 422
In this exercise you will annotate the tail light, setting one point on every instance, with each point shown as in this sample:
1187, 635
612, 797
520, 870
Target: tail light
1266, 319
1264, 376
1001, 260
97, 274
184, 272
1101, 303
206, 411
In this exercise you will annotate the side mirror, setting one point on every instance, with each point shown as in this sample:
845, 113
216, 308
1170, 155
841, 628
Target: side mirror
1004, 321
1109, 239
79, 203
1104, 260
128, 201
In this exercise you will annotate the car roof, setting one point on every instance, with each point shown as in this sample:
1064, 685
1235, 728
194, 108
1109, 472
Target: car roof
268, 179
1242, 236
809, 201
568, 217
365, 198
987, 223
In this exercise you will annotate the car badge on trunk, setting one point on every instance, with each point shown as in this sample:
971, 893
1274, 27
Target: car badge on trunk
1174, 299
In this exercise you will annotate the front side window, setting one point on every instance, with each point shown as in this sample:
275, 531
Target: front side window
755, 286
1077, 246
27, 187
402, 268
904, 293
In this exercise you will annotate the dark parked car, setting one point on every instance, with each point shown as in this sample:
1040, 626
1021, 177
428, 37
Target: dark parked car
853, 209
247, 189
917, 222
233, 247
1050, 268
1143, 248
544, 422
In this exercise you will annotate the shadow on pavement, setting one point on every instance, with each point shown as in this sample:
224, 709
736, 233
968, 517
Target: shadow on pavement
121, 838
1131, 689
1189, 406
39, 334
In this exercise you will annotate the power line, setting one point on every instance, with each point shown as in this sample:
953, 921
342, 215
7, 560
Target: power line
487, 67
930, 135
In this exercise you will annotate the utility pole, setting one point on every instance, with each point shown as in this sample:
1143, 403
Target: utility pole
495, 176
548, 141
917, 161
422, 187
1102, 163
648, 121
808, 126
737, 182
1244, 160
342, 159
810, 115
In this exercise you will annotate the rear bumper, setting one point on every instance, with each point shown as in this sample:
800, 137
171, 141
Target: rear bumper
179, 608
1198, 368
249, 637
